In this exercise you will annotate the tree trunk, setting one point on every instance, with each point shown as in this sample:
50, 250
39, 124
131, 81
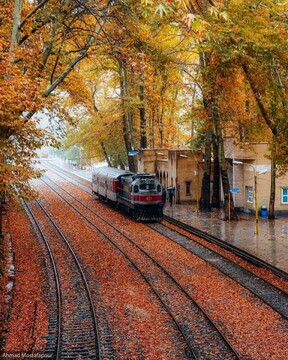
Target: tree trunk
211, 108
281, 88
16, 23
205, 188
161, 127
125, 117
230, 213
216, 176
105, 154
258, 99
271, 211
143, 135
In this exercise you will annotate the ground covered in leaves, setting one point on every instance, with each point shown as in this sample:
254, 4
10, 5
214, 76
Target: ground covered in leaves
24, 310
138, 323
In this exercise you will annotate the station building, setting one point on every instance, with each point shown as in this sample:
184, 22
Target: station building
177, 169
249, 169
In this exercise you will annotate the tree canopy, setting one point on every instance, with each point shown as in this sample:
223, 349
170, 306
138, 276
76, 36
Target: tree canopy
123, 75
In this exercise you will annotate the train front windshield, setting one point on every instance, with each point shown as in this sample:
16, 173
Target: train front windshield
145, 186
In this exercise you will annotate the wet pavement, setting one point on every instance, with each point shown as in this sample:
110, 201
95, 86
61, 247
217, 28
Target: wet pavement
269, 243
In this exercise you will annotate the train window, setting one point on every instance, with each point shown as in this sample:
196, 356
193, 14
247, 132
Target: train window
136, 189
147, 186
159, 188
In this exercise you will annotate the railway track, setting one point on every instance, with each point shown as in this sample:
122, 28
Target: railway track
241, 253
73, 329
274, 297
86, 186
171, 294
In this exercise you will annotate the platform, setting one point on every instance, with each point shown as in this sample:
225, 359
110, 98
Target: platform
269, 243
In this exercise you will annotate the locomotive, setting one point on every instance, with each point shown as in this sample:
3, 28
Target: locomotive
140, 194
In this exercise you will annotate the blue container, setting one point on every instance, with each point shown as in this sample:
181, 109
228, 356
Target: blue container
263, 211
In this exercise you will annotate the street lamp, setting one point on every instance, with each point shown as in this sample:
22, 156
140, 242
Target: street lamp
256, 173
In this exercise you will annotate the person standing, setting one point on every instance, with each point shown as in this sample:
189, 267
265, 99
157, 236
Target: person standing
171, 196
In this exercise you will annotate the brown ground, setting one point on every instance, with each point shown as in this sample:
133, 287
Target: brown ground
23, 307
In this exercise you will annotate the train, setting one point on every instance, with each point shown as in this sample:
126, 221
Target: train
138, 194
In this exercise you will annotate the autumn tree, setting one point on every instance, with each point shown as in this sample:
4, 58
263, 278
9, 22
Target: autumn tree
252, 45
20, 134
246, 41
41, 44
139, 68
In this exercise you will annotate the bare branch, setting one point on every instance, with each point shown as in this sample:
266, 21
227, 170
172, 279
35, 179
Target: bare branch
41, 4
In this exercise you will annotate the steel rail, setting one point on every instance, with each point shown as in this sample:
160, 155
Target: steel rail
96, 331
35, 223
237, 356
241, 253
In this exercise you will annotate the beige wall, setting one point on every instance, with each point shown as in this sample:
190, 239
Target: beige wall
174, 168
254, 161
146, 161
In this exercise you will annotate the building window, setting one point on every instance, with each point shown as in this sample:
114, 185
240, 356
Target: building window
188, 187
284, 196
249, 194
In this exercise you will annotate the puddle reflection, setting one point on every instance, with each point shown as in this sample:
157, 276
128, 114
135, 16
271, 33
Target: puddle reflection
269, 242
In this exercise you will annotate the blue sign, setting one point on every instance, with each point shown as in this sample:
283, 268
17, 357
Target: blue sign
234, 190
133, 152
